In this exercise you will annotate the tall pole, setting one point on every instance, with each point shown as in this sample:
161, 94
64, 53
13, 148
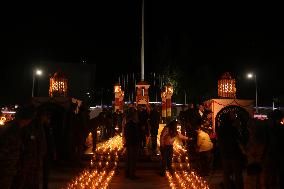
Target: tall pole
33, 84
142, 46
102, 97
256, 107
184, 97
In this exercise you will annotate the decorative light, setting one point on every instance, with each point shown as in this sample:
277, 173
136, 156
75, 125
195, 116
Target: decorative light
117, 88
2, 120
104, 163
179, 128
182, 176
119, 95
58, 85
227, 86
169, 89
102, 166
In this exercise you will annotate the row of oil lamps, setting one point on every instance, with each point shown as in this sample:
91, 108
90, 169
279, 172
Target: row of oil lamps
104, 163
183, 177
102, 166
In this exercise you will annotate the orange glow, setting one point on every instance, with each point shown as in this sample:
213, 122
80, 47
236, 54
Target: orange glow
2, 120
227, 86
58, 85
117, 88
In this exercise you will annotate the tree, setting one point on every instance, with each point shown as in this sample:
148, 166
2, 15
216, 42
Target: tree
172, 74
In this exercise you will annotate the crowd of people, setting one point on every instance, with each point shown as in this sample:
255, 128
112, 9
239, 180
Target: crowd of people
23, 150
248, 152
32, 142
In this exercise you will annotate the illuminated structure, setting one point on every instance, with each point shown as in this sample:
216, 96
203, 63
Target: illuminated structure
166, 96
58, 85
119, 95
227, 86
142, 96
169, 92
164, 104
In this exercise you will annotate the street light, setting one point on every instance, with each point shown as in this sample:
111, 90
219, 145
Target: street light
251, 76
37, 72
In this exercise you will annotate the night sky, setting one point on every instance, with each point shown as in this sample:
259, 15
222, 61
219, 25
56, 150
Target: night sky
202, 43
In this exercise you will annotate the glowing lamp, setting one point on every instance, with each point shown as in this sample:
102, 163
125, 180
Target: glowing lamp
227, 86
58, 85
169, 89
119, 95
2, 120
117, 88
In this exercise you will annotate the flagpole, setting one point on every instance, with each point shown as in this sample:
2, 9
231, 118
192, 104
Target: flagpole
142, 47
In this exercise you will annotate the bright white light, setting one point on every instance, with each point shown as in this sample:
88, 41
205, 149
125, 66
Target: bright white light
250, 75
38, 72
8, 112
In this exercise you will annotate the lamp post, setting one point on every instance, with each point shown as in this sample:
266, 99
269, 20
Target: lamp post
35, 72
253, 76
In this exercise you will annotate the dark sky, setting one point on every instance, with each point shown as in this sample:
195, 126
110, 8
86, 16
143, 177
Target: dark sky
202, 42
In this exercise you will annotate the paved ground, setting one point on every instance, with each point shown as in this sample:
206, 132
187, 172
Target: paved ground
148, 179
60, 175
148, 171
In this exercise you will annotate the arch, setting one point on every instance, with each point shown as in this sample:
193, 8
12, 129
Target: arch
216, 105
241, 114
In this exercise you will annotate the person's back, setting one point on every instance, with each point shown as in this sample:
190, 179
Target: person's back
154, 118
131, 134
273, 162
12, 145
143, 116
93, 127
228, 140
115, 118
233, 159
203, 141
10, 150
31, 157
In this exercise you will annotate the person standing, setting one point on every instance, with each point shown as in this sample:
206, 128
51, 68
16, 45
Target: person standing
204, 151
51, 154
115, 118
167, 138
11, 145
93, 127
30, 164
232, 151
273, 165
132, 142
255, 150
154, 127
144, 128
